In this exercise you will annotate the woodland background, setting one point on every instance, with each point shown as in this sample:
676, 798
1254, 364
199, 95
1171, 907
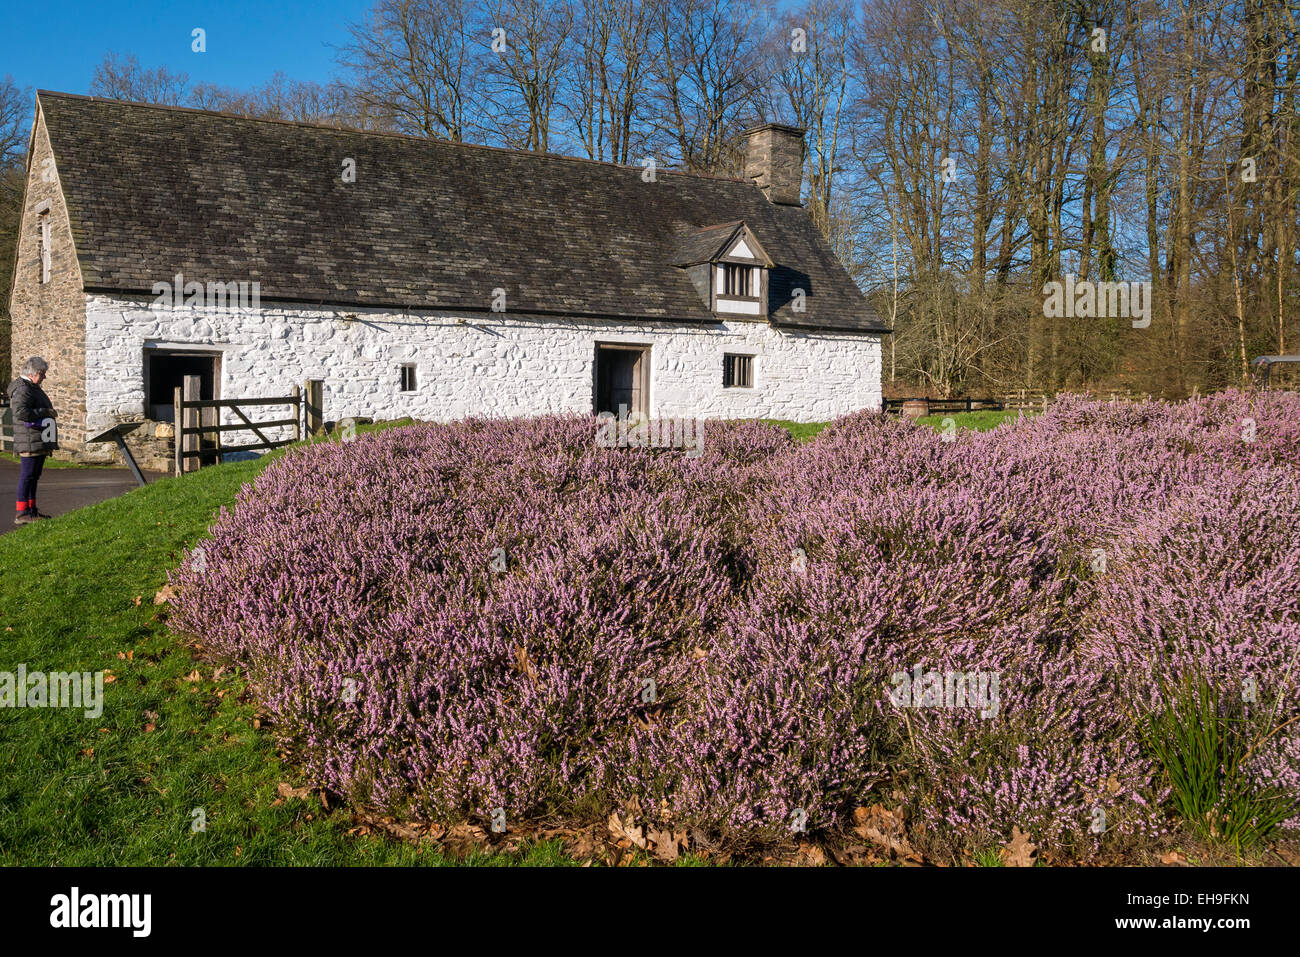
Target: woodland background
959, 154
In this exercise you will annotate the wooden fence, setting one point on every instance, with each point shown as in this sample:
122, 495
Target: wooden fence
6, 424
1023, 400
944, 406
199, 433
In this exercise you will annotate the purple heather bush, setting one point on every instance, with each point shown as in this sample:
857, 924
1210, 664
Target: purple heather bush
445, 620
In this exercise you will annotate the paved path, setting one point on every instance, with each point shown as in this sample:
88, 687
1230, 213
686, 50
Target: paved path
62, 490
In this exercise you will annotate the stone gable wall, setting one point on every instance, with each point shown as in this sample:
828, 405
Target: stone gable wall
49, 319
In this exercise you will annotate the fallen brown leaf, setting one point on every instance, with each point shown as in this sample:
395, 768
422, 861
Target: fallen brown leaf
810, 855
622, 832
581, 845
855, 855
1019, 851
164, 595
884, 827
523, 664
1289, 854
1174, 858
286, 790
667, 844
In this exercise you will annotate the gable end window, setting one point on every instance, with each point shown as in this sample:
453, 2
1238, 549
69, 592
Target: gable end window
44, 244
737, 371
408, 378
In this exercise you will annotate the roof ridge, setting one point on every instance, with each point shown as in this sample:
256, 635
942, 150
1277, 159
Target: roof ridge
731, 223
223, 114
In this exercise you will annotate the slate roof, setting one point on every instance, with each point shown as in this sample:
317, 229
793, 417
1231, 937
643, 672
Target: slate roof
703, 245
152, 191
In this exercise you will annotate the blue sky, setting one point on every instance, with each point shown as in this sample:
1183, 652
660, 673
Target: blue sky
61, 41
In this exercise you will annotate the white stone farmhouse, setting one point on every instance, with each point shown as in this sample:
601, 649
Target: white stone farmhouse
419, 278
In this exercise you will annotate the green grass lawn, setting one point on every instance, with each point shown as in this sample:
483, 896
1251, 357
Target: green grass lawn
79, 791
974, 421
802, 431
50, 462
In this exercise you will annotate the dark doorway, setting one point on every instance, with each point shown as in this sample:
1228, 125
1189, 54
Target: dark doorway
623, 379
165, 371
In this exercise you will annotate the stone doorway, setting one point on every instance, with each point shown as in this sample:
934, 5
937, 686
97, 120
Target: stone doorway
622, 379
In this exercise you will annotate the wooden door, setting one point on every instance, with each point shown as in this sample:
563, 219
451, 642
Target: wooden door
622, 380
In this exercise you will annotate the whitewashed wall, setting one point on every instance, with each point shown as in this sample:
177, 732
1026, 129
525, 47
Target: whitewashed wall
484, 364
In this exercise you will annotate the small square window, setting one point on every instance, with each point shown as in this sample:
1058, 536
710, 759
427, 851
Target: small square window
408, 378
737, 372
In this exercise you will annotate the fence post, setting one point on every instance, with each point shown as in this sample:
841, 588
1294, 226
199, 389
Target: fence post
207, 418
178, 399
297, 413
314, 390
190, 420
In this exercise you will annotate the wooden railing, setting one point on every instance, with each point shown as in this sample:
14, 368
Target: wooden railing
1024, 400
199, 433
937, 406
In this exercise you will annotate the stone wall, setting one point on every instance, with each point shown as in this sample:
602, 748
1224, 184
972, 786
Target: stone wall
49, 319
473, 365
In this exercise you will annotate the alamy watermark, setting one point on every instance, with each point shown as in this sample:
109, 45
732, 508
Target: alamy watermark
240, 297
637, 431
947, 689
57, 689
74, 910
1085, 299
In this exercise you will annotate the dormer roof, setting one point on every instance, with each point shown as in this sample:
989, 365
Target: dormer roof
711, 244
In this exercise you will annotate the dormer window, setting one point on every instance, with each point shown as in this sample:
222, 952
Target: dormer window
729, 268
739, 281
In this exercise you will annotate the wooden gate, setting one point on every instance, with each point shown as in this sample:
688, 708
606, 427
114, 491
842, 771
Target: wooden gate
197, 424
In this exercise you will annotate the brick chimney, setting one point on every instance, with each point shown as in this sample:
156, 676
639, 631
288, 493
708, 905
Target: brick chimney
774, 160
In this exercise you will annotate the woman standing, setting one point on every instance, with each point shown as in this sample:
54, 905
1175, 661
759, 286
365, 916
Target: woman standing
35, 434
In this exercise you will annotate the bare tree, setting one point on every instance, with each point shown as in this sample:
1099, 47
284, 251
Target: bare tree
527, 44
810, 72
707, 79
15, 117
605, 101
121, 77
416, 67
282, 98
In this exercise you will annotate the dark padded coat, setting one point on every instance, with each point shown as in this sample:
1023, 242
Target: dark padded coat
30, 407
